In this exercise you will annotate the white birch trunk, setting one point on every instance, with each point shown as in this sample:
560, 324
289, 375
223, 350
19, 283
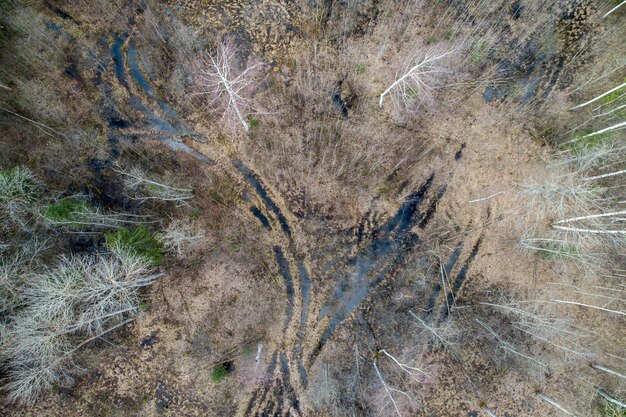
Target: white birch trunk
599, 97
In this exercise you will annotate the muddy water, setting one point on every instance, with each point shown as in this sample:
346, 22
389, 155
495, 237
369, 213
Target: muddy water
391, 241
118, 61
261, 217
136, 73
305, 289
168, 129
263, 194
460, 278
447, 268
283, 267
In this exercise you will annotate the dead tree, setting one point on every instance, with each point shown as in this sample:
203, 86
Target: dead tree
555, 404
593, 100
607, 370
143, 188
390, 392
228, 87
614, 8
182, 237
416, 82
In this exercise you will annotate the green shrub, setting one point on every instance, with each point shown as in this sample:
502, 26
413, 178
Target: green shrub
69, 209
18, 184
253, 122
360, 68
219, 373
139, 241
609, 409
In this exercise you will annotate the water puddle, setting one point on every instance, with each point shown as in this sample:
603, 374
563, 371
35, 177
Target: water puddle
293, 400
283, 267
269, 203
259, 215
118, 61
305, 288
135, 71
460, 278
447, 268
340, 104
376, 260
459, 154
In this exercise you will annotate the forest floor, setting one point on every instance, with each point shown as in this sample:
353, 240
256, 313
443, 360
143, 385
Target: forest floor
288, 292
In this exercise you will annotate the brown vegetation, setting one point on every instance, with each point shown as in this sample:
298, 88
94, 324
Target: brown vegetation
424, 215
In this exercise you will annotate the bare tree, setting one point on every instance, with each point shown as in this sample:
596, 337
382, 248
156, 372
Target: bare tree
15, 265
535, 321
64, 308
443, 335
507, 346
19, 192
76, 212
391, 392
143, 188
228, 87
417, 81
183, 237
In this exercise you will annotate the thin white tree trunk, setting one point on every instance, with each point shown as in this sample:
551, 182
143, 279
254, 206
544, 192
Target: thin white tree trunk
594, 231
614, 8
398, 81
489, 412
592, 216
487, 198
610, 174
257, 359
598, 132
607, 370
621, 313
406, 368
387, 389
241, 118
610, 399
599, 97
555, 404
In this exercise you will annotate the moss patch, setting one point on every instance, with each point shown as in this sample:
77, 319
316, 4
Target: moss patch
220, 372
67, 210
139, 241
